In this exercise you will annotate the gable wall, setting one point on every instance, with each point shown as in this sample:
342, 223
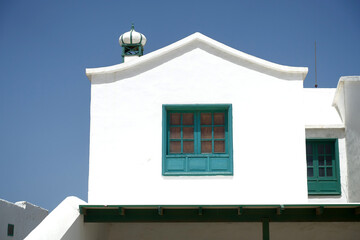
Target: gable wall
126, 134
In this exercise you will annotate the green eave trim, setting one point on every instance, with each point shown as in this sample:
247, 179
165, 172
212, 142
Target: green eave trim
221, 213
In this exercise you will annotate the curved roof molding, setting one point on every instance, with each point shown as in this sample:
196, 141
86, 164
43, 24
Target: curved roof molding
339, 97
198, 40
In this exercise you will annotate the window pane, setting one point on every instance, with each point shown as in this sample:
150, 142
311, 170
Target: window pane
175, 147
219, 146
205, 119
328, 149
206, 147
321, 148
310, 172
329, 172
188, 119
175, 133
219, 132
321, 172
188, 146
309, 149
219, 118
321, 161
328, 160
206, 133
309, 160
188, 133
175, 118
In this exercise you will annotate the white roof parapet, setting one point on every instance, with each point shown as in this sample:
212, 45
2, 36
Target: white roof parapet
200, 38
21, 204
341, 84
339, 96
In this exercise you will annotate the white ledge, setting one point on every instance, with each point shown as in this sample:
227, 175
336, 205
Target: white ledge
330, 126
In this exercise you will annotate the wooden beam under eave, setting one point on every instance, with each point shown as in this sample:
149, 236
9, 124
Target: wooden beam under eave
319, 211
357, 211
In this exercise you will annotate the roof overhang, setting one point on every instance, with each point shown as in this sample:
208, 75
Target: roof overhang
221, 213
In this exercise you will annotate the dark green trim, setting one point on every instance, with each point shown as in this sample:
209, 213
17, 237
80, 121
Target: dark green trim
265, 229
330, 205
249, 213
131, 31
196, 107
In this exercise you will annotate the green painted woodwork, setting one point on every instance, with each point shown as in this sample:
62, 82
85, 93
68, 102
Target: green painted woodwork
182, 150
265, 229
203, 213
323, 167
10, 230
132, 50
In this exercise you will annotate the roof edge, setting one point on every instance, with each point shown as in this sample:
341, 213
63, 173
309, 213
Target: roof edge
302, 71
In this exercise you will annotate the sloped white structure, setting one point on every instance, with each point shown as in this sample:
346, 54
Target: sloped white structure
198, 140
18, 219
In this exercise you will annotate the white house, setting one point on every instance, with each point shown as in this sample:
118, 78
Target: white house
18, 219
198, 140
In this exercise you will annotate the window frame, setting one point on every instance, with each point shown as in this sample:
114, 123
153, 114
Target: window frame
206, 157
324, 185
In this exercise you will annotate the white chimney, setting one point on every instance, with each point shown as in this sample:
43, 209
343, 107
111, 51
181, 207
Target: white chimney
132, 44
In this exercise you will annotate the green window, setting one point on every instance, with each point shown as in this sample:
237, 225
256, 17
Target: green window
10, 230
323, 171
197, 139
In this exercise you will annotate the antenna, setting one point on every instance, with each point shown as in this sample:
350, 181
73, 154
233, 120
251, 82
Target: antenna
316, 85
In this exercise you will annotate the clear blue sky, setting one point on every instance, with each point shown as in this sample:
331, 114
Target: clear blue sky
45, 47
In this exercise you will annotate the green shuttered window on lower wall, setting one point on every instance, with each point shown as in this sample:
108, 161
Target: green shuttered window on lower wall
197, 139
10, 230
323, 173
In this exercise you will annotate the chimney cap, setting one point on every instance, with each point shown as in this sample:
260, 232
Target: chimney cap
132, 38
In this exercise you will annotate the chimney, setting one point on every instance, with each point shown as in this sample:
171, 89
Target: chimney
132, 44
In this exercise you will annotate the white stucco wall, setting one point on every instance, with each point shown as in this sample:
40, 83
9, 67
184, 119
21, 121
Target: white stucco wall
66, 223
319, 111
126, 131
352, 116
23, 215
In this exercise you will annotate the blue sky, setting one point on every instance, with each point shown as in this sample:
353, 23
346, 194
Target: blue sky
45, 47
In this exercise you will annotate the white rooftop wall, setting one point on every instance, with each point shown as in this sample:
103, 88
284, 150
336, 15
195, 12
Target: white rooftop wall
126, 132
23, 215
